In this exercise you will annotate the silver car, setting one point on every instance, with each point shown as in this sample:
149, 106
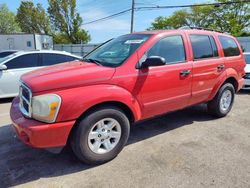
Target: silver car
16, 64
247, 70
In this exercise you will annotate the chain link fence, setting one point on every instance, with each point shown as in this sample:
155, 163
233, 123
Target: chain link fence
77, 49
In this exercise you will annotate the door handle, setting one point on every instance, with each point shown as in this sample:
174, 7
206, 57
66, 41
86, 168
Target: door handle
185, 73
220, 67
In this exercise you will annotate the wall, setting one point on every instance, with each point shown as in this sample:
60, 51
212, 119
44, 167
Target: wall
25, 42
44, 42
17, 42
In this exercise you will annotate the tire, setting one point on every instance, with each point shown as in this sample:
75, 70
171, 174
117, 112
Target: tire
216, 107
86, 148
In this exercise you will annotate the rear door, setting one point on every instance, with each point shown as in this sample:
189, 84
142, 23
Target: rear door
207, 66
9, 79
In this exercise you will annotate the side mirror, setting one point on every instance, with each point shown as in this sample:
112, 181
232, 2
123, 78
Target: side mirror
3, 67
153, 61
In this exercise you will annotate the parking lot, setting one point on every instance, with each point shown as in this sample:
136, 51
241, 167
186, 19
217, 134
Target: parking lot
187, 148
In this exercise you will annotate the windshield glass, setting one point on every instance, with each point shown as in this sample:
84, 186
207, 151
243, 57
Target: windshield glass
116, 51
247, 58
6, 58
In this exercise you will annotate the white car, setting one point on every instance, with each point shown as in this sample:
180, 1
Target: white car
16, 64
247, 70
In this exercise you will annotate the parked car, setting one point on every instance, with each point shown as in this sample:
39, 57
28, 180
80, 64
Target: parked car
91, 105
6, 53
247, 70
16, 64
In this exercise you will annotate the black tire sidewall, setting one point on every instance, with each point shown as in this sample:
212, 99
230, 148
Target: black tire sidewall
224, 88
80, 138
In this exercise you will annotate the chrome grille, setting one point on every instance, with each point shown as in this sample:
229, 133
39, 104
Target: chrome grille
25, 96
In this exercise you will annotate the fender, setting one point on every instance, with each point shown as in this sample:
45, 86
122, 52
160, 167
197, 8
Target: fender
76, 101
228, 73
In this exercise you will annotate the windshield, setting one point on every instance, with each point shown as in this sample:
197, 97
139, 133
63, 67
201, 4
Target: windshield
6, 58
247, 58
116, 51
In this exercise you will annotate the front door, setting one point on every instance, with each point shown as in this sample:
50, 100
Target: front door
166, 88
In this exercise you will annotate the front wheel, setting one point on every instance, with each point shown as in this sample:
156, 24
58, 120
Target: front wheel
222, 103
100, 135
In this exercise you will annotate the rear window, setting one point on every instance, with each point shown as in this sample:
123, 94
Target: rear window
229, 46
203, 46
247, 58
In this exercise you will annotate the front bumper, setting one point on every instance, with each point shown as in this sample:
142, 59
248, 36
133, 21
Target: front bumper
38, 134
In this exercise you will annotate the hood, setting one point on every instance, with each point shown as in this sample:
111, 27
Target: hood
66, 75
247, 68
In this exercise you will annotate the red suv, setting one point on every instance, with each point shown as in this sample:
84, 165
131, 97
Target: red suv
90, 105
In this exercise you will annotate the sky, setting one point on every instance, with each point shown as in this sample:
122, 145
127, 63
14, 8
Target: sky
94, 9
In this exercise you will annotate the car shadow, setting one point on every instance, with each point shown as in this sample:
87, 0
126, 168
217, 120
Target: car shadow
244, 92
6, 100
21, 164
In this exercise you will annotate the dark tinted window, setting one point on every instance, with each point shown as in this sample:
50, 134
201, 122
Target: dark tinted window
202, 47
24, 61
247, 58
4, 54
229, 46
214, 46
171, 48
52, 59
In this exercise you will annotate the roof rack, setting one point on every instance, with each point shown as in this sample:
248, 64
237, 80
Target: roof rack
199, 28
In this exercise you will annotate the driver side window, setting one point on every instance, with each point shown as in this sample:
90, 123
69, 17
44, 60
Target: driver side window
171, 48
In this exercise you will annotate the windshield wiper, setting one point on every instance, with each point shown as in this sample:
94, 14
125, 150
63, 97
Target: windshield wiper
93, 61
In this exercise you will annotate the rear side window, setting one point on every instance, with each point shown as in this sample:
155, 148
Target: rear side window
203, 46
171, 48
52, 59
229, 46
24, 61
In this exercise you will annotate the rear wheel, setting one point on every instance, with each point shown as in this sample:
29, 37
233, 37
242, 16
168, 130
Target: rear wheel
222, 103
100, 135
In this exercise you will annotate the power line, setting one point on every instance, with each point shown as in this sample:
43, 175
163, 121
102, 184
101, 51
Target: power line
108, 17
164, 7
191, 5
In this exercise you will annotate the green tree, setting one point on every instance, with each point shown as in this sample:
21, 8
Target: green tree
33, 19
7, 21
231, 18
66, 22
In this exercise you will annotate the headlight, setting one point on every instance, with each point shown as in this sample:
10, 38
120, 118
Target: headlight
45, 107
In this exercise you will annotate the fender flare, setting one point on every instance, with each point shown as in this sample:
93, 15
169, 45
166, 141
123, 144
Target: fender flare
228, 73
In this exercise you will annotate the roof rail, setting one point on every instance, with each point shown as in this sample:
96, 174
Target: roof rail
200, 28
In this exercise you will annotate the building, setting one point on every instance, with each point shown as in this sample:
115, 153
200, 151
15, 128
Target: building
23, 41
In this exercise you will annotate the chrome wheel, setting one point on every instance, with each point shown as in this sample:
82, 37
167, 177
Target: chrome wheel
226, 100
104, 135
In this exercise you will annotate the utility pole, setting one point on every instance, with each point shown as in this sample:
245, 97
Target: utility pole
132, 16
